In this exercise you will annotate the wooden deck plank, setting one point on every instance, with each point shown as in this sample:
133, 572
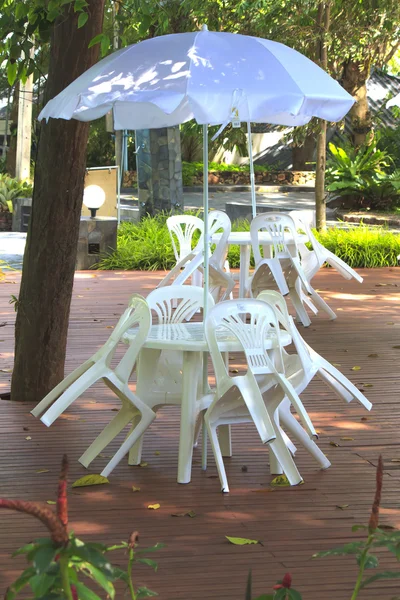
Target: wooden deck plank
293, 523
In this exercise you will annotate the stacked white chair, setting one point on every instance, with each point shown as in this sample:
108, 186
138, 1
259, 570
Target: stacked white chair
312, 261
182, 229
159, 372
238, 399
219, 276
99, 367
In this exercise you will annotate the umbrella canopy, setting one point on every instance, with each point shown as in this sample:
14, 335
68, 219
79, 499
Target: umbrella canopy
205, 75
395, 101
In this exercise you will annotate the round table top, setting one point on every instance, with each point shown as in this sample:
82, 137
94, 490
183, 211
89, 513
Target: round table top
190, 337
242, 238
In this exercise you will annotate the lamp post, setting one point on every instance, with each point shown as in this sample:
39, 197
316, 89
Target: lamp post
93, 198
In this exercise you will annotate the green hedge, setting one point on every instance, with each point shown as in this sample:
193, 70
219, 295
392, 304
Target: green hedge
146, 246
193, 169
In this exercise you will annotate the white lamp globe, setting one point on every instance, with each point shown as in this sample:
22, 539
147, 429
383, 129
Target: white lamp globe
93, 198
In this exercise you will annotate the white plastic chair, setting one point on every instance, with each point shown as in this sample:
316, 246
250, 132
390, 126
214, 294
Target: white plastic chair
99, 367
181, 230
302, 367
238, 399
312, 261
159, 372
219, 277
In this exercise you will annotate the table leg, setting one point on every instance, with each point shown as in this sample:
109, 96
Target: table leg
244, 269
191, 372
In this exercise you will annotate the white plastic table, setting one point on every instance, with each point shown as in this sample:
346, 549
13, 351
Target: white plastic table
190, 339
243, 240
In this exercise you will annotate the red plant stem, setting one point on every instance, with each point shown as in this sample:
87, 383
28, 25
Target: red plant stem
62, 501
374, 518
58, 533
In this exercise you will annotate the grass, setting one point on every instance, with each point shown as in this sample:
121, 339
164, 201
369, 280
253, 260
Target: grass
193, 169
146, 246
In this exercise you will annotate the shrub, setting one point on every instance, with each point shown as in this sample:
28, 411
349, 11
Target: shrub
362, 175
12, 188
193, 169
362, 246
389, 141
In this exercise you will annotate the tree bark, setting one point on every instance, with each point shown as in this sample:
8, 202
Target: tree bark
354, 81
12, 150
303, 155
323, 24
50, 255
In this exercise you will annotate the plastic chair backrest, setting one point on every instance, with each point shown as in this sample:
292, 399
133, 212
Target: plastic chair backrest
303, 217
228, 317
181, 230
277, 301
219, 220
189, 300
277, 225
137, 313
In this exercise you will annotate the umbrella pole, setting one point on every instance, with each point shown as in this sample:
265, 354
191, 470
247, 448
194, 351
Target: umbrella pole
205, 278
251, 164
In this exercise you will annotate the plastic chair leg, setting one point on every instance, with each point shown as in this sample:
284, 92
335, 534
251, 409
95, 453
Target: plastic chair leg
225, 441
322, 305
277, 273
295, 429
115, 426
337, 388
135, 452
71, 394
301, 312
139, 430
212, 432
284, 458
326, 366
59, 389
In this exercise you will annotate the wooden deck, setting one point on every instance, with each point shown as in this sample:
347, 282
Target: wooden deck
292, 523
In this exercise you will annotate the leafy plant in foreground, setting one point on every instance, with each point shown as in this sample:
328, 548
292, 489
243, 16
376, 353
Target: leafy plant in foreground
281, 591
376, 538
61, 565
12, 188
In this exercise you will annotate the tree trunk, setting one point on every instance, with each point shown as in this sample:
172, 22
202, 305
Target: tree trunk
49, 261
354, 81
12, 151
323, 24
303, 155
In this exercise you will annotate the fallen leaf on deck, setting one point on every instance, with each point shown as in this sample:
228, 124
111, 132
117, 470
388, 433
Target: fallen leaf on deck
90, 480
25, 428
28, 437
51, 502
380, 284
244, 469
355, 368
334, 444
3, 324
280, 480
373, 355
154, 506
79, 296
233, 370
135, 489
5, 370
190, 514
396, 347
110, 327
263, 491
390, 323
92, 402
43, 471
212, 476
114, 409
336, 364
143, 464
347, 439
364, 418
368, 385
342, 506
241, 541
157, 453
395, 460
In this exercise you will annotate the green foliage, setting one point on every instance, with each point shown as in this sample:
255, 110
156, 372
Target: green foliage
190, 170
363, 246
12, 188
363, 174
389, 141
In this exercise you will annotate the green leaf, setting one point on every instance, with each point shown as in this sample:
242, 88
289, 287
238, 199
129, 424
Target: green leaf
158, 546
87, 480
12, 70
280, 480
294, 595
100, 577
378, 576
281, 594
83, 17
358, 527
371, 561
144, 592
20, 583
90, 554
42, 557
148, 562
40, 584
24, 550
352, 548
237, 541
21, 10
96, 40
85, 593
104, 45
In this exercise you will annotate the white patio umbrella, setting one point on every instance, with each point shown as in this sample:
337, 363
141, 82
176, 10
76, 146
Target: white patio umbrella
395, 101
213, 77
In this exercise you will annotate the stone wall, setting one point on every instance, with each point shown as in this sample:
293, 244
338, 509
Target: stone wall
159, 169
229, 178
